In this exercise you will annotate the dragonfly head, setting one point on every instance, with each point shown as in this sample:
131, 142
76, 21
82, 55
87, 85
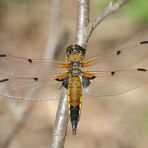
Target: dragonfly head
75, 52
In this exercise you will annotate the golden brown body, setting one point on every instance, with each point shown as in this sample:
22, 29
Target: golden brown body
74, 100
74, 81
74, 92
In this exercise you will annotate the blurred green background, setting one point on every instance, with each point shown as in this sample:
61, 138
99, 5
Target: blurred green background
135, 9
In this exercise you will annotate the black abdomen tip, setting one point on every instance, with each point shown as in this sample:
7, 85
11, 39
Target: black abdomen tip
74, 115
74, 127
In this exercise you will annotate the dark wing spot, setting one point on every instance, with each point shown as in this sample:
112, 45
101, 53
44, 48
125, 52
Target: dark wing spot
36, 79
144, 42
58, 79
3, 55
4, 80
93, 77
118, 52
141, 69
112, 73
29, 60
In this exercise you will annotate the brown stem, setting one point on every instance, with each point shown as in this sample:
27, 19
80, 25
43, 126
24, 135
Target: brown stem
105, 13
82, 22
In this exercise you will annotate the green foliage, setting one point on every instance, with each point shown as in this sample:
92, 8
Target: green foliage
138, 9
134, 9
102, 3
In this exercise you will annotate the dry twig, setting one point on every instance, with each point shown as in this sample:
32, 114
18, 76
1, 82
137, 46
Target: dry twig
105, 13
82, 21
84, 30
60, 128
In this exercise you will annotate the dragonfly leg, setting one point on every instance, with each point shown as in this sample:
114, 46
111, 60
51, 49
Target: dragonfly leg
65, 65
88, 63
61, 77
88, 75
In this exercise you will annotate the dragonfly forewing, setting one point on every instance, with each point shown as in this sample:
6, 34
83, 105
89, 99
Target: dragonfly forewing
120, 59
18, 66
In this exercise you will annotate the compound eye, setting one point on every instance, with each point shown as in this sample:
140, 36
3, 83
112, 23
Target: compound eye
70, 52
67, 52
79, 51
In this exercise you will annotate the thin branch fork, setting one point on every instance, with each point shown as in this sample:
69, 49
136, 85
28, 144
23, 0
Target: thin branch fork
107, 11
98, 19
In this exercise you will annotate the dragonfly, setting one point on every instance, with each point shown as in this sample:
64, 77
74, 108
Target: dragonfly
105, 75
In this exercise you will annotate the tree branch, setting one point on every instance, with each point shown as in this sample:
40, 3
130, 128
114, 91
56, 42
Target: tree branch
105, 13
84, 30
60, 128
82, 22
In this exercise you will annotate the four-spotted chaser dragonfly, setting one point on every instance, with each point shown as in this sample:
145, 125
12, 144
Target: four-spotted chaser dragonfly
106, 75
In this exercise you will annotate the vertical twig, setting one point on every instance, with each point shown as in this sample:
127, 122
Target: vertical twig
59, 132
82, 22
111, 8
60, 128
84, 30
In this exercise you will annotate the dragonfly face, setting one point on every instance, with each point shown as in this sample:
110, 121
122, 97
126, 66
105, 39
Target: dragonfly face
75, 53
110, 74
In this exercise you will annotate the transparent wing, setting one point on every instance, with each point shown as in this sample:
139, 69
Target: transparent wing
121, 58
30, 88
24, 67
116, 82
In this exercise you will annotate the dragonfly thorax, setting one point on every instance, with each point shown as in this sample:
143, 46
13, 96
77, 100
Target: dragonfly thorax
75, 65
75, 68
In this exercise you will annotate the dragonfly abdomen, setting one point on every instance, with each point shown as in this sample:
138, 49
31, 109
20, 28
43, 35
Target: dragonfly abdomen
74, 100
